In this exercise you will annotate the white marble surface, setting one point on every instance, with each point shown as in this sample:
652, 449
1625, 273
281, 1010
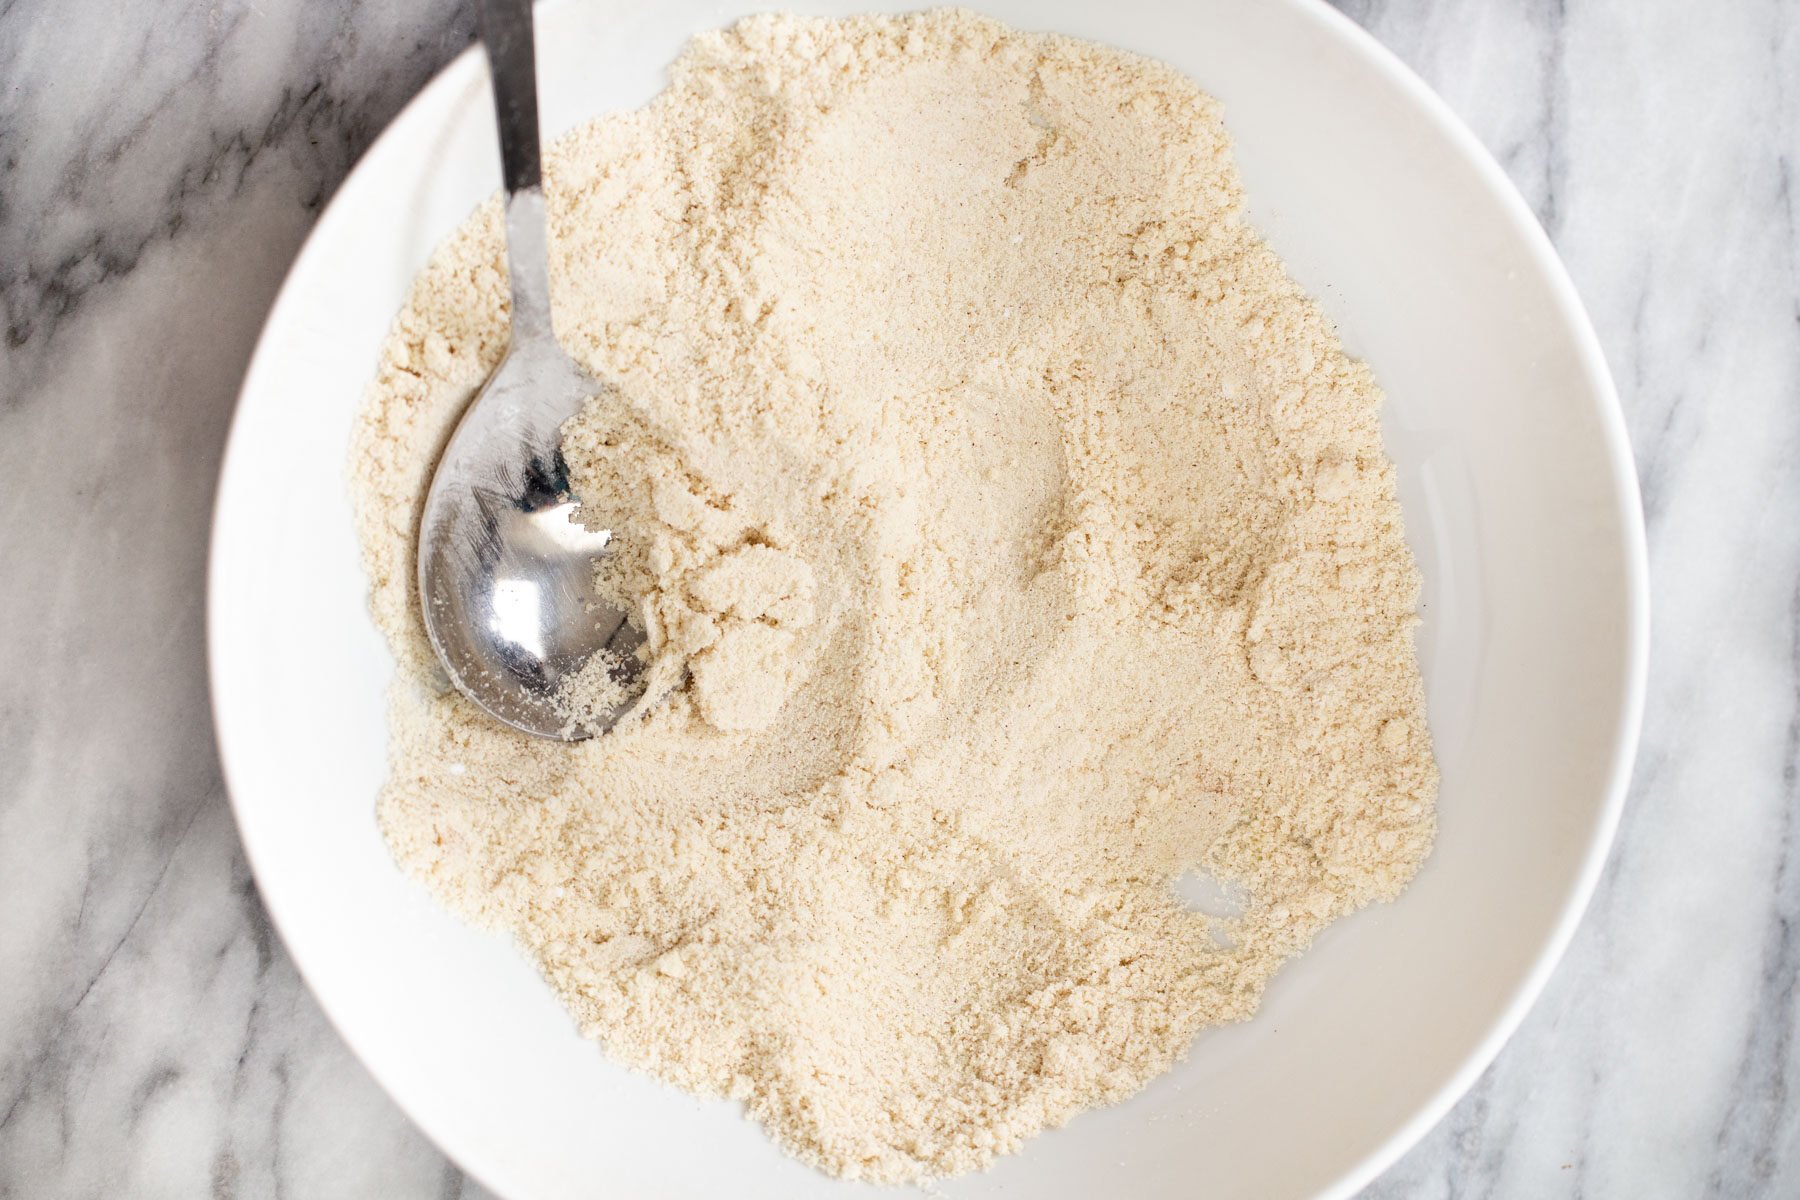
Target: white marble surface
159, 165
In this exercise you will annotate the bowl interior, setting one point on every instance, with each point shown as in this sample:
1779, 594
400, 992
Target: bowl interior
1520, 503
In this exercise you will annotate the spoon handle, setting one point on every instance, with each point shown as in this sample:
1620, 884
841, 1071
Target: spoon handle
506, 32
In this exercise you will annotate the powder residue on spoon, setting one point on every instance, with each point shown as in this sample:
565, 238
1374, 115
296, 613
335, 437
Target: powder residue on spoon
1010, 536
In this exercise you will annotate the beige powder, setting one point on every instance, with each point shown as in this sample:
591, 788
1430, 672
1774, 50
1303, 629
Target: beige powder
1010, 535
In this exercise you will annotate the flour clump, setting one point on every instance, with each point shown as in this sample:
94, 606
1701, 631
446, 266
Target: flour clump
1010, 536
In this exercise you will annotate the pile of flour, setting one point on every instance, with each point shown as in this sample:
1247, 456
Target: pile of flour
1011, 536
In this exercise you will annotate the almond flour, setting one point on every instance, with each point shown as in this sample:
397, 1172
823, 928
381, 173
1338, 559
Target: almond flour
1010, 535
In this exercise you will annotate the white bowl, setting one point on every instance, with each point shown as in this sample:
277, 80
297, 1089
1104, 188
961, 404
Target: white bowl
1520, 502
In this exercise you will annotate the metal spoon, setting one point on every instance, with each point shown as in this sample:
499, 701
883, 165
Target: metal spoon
506, 574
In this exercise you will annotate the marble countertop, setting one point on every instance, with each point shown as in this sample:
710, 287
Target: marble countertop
159, 166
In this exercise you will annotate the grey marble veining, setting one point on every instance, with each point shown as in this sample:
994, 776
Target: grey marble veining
159, 165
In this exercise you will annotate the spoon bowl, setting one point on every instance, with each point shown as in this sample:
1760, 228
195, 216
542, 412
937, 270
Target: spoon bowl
506, 571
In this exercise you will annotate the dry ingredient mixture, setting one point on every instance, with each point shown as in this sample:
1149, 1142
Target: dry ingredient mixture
1011, 535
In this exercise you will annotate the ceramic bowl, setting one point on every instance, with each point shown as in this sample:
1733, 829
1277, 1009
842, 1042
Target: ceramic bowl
1520, 502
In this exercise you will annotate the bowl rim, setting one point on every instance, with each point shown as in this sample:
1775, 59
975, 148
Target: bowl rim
461, 72
1628, 503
